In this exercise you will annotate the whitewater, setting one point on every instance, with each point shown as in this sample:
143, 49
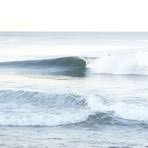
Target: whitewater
73, 89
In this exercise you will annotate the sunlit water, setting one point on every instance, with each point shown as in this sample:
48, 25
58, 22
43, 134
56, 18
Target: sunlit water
73, 90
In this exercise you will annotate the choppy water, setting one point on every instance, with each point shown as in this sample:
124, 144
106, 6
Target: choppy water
73, 90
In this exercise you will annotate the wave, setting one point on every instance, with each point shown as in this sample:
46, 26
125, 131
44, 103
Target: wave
31, 108
28, 108
71, 66
41, 100
112, 63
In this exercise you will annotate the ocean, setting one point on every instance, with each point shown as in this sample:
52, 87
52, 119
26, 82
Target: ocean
73, 89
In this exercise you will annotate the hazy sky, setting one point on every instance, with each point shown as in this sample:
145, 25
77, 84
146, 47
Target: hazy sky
74, 15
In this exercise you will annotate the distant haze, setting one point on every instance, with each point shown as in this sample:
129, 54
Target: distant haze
73, 15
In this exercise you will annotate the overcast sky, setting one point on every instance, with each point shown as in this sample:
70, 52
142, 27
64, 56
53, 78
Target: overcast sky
73, 15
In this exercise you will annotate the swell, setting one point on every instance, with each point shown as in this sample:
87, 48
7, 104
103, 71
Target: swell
70, 66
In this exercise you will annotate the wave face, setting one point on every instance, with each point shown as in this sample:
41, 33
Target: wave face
70, 66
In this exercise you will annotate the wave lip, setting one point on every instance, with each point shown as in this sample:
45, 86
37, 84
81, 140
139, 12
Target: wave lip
69, 66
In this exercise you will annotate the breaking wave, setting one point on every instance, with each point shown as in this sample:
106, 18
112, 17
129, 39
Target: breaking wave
115, 63
29, 108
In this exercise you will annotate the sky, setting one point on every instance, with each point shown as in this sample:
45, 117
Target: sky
73, 15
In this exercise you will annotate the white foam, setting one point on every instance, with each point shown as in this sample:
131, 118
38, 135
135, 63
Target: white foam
42, 119
134, 111
126, 62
